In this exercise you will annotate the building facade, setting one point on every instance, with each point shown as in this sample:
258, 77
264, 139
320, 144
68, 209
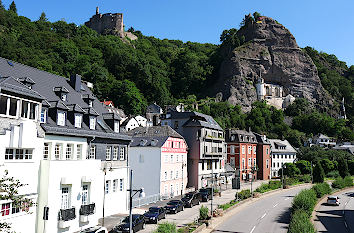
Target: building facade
282, 152
241, 152
83, 160
206, 145
264, 159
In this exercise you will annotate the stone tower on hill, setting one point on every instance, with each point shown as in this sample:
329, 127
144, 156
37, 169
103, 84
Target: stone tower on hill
107, 23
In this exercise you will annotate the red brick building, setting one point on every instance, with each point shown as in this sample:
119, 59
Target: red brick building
241, 152
264, 159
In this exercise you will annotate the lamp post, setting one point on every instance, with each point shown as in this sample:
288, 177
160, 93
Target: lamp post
183, 165
282, 175
131, 190
253, 170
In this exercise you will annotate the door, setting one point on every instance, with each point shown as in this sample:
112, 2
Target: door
65, 199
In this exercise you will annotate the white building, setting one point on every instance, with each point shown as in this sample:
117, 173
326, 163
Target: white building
281, 152
134, 122
322, 141
159, 153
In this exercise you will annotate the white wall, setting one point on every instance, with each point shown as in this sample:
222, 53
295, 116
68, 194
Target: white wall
280, 160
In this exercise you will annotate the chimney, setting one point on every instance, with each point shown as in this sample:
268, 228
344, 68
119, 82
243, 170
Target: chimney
97, 10
75, 82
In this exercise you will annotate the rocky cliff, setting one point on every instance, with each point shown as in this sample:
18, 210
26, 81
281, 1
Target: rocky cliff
269, 51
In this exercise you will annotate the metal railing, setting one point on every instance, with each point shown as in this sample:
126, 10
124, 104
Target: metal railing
137, 202
67, 214
87, 209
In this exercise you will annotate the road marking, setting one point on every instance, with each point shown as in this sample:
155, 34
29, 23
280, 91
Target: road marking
286, 198
253, 229
263, 215
275, 205
343, 212
345, 223
346, 203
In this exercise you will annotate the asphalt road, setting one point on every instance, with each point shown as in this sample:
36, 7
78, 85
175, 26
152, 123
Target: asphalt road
337, 218
268, 214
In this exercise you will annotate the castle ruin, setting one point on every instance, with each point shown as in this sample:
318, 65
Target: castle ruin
107, 23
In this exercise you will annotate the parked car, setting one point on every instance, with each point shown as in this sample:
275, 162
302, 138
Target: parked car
191, 199
138, 224
174, 206
333, 200
155, 214
205, 194
96, 229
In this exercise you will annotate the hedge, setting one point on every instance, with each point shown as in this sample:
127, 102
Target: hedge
305, 200
300, 222
166, 227
322, 189
341, 183
244, 194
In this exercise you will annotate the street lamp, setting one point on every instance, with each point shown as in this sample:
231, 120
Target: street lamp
282, 175
104, 188
183, 165
131, 195
253, 170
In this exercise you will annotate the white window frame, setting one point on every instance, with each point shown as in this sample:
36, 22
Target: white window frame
92, 122
114, 185
107, 186
121, 185
108, 152
65, 197
115, 153
166, 176
243, 150
92, 152
78, 151
61, 118
46, 151
122, 152
249, 162
85, 193
57, 151
43, 117
249, 149
78, 120
232, 149
69, 152
116, 126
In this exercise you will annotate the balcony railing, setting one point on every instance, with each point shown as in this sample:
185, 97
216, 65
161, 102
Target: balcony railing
67, 214
87, 209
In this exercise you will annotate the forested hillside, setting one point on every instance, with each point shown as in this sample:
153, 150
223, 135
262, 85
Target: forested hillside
136, 73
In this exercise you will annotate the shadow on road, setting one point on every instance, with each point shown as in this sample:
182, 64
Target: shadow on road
225, 231
284, 218
333, 221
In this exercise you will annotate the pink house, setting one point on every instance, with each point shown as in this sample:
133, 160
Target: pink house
158, 157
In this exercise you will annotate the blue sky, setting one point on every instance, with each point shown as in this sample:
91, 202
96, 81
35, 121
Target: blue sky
326, 25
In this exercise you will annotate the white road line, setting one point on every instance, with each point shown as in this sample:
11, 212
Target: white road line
263, 215
275, 205
345, 223
286, 198
253, 229
346, 203
343, 212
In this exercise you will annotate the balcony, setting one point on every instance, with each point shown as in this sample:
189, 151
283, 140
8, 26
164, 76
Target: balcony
65, 215
86, 210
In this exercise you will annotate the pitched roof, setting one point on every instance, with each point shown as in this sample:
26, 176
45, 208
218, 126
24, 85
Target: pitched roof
277, 142
14, 86
195, 119
240, 136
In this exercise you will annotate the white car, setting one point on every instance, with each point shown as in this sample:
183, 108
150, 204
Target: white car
96, 229
333, 200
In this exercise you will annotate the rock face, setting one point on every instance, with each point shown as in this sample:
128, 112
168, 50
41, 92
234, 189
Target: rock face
269, 51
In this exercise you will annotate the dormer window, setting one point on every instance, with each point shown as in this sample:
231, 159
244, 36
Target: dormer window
43, 118
90, 103
64, 96
116, 126
92, 122
61, 117
78, 120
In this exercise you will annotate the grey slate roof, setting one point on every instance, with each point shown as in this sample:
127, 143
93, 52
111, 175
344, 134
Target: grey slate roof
148, 134
288, 147
240, 136
153, 108
44, 84
195, 119
14, 86
261, 139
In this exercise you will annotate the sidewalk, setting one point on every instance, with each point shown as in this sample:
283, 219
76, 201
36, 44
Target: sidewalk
188, 215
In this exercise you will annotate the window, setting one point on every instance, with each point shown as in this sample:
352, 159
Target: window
277, 164
92, 122
57, 151
122, 153
18, 154
141, 158
5, 209
277, 156
232, 150
108, 153
28, 153
203, 165
90, 103
165, 175
243, 163
92, 153
78, 151
121, 184
281, 156
273, 164
24, 110
116, 126
65, 198
171, 158
3, 104
32, 113
46, 151
209, 164
267, 163
85, 195
249, 162
254, 150
215, 165
177, 158
249, 149
69, 152
115, 153
9, 154
15, 208
108, 186
171, 175
243, 150
61, 118
78, 120
166, 158
43, 118
286, 156
267, 151
176, 174
115, 183
254, 162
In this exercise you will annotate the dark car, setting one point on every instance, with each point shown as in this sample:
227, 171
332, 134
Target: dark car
174, 206
155, 214
205, 194
138, 224
191, 199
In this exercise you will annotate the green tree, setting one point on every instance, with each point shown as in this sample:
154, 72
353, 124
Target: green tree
351, 167
2, 7
13, 7
318, 173
256, 15
327, 165
343, 167
43, 17
304, 166
291, 170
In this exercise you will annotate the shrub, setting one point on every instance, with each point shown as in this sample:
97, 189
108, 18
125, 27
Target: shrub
333, 174
338, 183
291, 181
228, 205
216, 190
305, 178
305, 200
203, 213
274, 184
322, 189
166, 227
343, 167
300, 222
304, 166
270, 186
244, 194
348, 181
318, 173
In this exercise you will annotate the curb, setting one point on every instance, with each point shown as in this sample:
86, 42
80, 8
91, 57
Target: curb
322, 200
233, 209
